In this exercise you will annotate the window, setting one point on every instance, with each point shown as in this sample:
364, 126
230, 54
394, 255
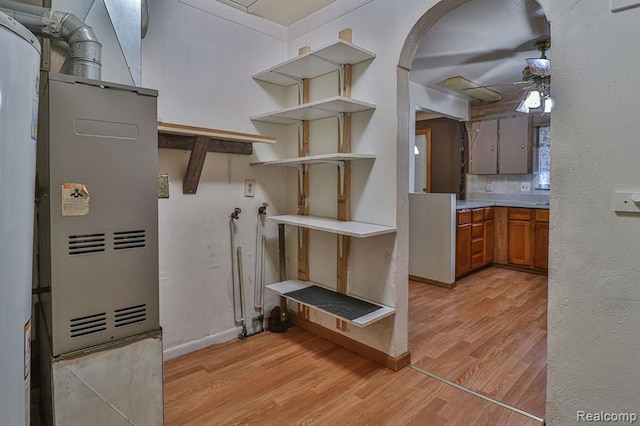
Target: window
542, 165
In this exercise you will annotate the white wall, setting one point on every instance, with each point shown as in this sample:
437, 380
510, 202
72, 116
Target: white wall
202, 65
594, 291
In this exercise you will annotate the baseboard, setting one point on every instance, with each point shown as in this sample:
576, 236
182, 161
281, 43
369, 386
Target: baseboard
194, 345
432, 282
521, 269
368, 352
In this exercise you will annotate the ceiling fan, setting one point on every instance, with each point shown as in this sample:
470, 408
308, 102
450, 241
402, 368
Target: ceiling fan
536, 76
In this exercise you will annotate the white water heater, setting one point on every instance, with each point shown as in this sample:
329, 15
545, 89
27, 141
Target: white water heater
19, 74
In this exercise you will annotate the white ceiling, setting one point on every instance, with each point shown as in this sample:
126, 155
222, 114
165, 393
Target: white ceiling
485, 41
283, 12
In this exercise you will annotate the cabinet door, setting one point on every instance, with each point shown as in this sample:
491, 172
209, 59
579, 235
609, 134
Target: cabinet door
541, 246
463, 249
489, 230
520, 242
514, 145
483, 146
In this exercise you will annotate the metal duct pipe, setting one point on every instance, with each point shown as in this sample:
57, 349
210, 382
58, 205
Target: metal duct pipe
85, 51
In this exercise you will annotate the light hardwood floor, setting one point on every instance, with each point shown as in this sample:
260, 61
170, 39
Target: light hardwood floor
488, 334
298, 378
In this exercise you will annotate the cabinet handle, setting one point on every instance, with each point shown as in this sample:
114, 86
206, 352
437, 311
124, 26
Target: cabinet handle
493, 147
522, 146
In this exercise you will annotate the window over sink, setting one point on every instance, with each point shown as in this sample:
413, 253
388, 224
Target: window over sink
542, 159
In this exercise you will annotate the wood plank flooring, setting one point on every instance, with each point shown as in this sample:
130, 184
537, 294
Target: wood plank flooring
297, 378
488, 334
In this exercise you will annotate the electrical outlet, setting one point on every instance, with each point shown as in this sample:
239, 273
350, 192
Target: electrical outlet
525, 187
163, 186
488, 187
249, 187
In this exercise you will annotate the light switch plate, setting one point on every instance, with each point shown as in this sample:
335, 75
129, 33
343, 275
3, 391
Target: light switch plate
525, 187
488, 187
163, 186
622, 202
249, 187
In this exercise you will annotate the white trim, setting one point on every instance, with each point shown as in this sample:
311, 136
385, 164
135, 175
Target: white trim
237, 16
201, 343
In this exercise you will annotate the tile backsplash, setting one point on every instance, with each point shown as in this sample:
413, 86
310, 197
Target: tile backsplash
503, 184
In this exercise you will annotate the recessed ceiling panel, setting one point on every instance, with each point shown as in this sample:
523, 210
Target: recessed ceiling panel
283, 12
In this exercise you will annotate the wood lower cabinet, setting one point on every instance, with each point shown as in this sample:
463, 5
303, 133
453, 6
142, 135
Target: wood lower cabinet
463, 242
541, 240
474, 239
526, 232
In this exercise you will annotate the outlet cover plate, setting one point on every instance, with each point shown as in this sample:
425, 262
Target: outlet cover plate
525, 187
249, 187
622, 202
163, 186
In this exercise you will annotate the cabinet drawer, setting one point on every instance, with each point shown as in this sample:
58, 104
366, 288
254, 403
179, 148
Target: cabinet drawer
464, 216
542, 215
477, 230
477, 246
478, 215
477, 260
519, 213
488, 213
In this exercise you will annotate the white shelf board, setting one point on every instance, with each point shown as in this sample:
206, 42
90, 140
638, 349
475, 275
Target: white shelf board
316, 159
349, 228
283, 287
322, 108
315, 63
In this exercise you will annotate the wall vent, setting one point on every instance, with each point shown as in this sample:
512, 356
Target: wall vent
129, 316
91, 324
123, 240
87, 243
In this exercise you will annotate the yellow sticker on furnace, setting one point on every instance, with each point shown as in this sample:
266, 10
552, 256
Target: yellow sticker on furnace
75, 199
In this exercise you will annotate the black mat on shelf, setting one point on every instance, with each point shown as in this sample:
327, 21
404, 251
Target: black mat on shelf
336, 303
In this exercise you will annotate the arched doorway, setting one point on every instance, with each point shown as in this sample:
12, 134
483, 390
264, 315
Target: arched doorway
404, 131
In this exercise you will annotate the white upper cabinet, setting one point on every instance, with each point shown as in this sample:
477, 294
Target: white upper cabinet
500, 146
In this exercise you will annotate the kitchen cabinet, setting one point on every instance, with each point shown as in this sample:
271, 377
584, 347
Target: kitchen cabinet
541, 240
500, 146
528, 238
489, 234
474, 239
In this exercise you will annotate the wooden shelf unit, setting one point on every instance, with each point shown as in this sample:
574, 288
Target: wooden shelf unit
285, 287
338, 56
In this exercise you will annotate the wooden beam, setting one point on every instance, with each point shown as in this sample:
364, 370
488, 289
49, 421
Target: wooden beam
224, 135
303, 194
196, 163
303, 50
347, 80
186, 143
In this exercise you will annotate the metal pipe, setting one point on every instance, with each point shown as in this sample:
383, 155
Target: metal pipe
243, 334
85, 51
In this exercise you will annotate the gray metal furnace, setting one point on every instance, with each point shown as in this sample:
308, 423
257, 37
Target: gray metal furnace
98, 245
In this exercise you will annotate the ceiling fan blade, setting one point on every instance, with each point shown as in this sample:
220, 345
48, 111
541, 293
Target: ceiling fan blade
539, 66
511, 83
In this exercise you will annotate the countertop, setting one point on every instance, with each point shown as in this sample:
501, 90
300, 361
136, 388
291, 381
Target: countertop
474, 204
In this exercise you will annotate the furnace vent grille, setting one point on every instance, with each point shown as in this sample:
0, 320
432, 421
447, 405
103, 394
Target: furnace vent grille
91, 324
132, 315
129, 239
87, 243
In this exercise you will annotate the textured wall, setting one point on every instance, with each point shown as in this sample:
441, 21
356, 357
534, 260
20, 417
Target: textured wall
594, 291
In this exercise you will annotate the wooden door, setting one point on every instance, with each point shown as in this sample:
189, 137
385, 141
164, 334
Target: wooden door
483, 146
520, 242
489, 230
463, 249
541, 243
